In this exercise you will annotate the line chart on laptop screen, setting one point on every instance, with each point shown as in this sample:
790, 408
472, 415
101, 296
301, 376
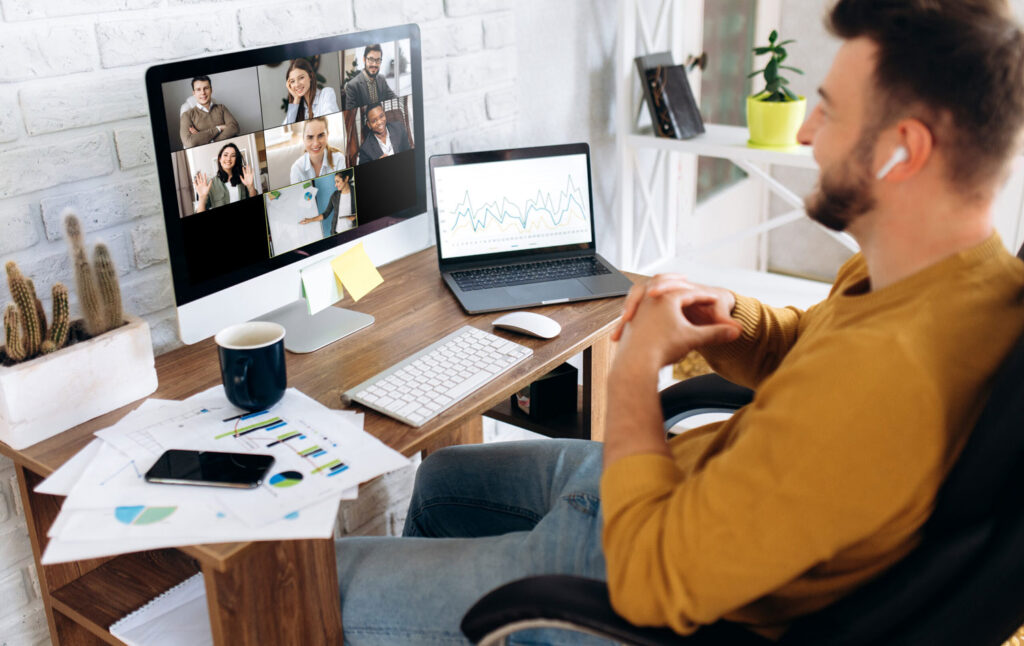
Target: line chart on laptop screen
508, 205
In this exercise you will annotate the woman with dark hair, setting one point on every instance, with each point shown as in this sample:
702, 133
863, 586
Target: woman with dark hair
340, 214
233, 181
305, 99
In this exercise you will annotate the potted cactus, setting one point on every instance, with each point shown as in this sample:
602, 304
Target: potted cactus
774, 114
58, 374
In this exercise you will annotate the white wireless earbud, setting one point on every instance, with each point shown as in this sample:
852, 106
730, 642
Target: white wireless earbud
898, 157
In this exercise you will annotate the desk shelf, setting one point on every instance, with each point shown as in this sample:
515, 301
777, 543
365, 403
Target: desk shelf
120, 586
567, 426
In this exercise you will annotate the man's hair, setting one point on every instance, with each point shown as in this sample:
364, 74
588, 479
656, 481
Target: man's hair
201, 78
957, 65
373, 48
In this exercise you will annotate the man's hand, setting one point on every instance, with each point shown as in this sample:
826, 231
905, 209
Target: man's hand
193, 130
700, 313
670, 318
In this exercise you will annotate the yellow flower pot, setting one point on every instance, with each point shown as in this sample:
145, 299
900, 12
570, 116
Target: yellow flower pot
773, 125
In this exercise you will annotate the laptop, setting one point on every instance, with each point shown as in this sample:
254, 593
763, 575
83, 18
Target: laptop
515, 228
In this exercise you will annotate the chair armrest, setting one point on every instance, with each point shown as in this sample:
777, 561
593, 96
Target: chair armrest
704, 394
577, 603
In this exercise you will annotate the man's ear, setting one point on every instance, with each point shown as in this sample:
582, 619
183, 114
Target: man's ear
917, 140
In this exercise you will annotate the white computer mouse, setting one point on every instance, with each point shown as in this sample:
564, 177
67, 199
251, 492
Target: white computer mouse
530, 323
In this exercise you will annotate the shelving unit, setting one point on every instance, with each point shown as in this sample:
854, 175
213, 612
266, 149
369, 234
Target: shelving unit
672, 179
123, 584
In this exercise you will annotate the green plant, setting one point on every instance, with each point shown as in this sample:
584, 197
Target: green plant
776, 86
25, 331
99, 292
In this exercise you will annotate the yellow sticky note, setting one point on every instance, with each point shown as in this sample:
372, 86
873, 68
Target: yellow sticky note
320, 286
355, 271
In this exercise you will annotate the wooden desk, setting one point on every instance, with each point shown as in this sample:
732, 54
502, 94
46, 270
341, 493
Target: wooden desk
286, 592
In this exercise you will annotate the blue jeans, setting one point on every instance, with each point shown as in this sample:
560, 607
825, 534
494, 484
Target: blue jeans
480, 516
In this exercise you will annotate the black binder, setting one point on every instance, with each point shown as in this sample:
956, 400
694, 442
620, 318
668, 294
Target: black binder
674, 111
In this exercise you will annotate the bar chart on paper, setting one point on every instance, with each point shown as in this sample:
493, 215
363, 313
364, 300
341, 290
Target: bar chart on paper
517, 204
264, 429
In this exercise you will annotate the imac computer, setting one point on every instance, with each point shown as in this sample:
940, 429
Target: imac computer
273, 159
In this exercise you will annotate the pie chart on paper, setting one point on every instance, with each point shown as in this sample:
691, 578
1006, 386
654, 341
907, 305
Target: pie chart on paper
141, 515
285, 479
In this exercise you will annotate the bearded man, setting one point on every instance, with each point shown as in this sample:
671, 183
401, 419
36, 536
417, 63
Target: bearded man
368, 87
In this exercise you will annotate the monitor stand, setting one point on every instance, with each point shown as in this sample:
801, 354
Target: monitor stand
305, 333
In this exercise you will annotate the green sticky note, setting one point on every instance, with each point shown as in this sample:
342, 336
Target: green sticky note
319, 286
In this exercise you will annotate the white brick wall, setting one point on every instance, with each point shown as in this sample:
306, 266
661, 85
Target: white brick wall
53, 108
291, 21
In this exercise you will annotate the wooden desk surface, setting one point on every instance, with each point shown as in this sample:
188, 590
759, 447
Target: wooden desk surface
412, 308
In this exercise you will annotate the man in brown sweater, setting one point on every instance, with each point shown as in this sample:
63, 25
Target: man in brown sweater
862, 403
207, 121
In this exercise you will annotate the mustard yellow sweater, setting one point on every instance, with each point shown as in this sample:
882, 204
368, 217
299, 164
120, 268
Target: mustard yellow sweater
862, 404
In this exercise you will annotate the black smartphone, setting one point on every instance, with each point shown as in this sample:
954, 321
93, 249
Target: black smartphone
210, 468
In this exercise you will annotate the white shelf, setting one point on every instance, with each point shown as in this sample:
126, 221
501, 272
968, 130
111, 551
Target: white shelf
725, 142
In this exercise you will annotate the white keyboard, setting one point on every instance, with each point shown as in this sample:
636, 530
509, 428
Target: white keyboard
427, 383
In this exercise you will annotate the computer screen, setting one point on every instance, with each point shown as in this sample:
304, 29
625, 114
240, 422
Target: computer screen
500, 206
270, 157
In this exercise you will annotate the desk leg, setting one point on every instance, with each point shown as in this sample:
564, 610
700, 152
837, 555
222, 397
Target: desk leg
596, 366
40, 512
276, 592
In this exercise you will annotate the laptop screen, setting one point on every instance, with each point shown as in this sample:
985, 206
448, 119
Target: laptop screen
512, 205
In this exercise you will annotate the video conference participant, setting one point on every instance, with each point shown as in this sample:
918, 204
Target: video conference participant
233, 181
385, 137
305, 99
207, 121
863, 402
340, 210
369, 86
320, 157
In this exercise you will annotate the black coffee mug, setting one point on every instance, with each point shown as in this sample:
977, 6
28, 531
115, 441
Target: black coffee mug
252, 364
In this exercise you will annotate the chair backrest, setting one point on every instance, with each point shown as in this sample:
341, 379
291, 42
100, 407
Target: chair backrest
963, 584
188, 105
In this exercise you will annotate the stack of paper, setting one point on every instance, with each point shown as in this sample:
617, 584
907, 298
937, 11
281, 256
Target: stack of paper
178, 617
321, 456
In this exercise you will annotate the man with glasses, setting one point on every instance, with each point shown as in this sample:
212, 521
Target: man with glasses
369, 86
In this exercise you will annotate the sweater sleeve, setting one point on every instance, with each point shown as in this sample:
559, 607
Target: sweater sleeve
812, 469
768, 334
188, 140
230, 125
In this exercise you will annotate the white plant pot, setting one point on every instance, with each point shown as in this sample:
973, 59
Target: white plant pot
54, 392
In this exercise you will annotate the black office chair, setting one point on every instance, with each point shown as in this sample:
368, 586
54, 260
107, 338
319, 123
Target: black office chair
964, 584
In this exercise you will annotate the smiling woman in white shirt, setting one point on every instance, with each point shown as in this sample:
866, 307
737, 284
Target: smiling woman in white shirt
234, 181
300, 81
320, 157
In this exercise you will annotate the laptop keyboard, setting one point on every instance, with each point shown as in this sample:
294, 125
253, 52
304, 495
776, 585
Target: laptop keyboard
527, 273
